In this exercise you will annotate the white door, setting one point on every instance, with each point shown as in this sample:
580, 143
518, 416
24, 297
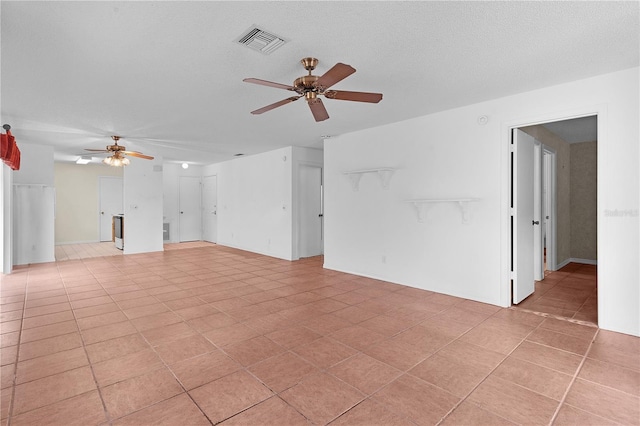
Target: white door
190, 209
311, 215
522, 215
110, 200
538, 201
210, 208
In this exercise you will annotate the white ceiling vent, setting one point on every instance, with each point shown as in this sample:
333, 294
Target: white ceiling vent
260, 40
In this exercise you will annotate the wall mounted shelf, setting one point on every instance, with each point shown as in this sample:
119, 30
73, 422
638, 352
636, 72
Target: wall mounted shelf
384, 173
422, 205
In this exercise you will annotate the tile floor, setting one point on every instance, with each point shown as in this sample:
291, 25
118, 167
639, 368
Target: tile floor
213, 335
570, 292
107, 248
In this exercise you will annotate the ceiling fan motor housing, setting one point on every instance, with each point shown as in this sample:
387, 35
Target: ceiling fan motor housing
309, 64
116, 147
306, 85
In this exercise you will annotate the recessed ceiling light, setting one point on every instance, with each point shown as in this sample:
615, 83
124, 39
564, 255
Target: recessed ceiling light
185, 165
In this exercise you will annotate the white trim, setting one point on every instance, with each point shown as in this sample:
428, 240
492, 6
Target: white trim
552, 237
576, 260
583, 261
66, 243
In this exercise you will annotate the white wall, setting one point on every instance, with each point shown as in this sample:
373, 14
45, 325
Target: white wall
32, 216
255, 202
449, 154
171, 190
36, 165
78, 201
143, 206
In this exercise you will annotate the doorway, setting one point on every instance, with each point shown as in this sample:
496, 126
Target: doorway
190, 222
111, 204
311, 215
563, 184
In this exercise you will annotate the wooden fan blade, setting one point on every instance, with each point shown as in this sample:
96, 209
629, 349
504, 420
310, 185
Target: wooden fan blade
97, 150
345, 95
337, 73
317, 109
269, 83
276, 105
137, 154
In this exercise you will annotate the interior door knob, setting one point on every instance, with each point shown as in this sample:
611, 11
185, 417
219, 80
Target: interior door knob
181, 212
535, 222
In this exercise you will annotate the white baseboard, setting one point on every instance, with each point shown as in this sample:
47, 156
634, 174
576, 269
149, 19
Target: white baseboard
584, 261
576, 260
66, 243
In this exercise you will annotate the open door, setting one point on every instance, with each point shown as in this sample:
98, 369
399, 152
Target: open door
110, 204
522, 215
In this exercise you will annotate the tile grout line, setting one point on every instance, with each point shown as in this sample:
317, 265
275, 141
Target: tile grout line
490, 372
15, 364
150, 265
573, 379
84, 346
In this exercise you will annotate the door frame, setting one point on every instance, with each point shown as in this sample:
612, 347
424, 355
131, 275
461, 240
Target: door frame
551, 183
296, 213
538, 211
505, 212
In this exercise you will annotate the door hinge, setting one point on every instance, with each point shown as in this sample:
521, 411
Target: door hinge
511, 148
512, 211
512, 275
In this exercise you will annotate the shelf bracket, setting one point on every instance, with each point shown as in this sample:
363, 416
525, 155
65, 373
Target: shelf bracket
383, 173
464, 207
423, 205
355, 180
421, 210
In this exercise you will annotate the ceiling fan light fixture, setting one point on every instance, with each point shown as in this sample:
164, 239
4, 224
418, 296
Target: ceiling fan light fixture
116, 161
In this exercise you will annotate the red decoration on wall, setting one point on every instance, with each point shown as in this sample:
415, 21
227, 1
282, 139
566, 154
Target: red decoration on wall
9, 151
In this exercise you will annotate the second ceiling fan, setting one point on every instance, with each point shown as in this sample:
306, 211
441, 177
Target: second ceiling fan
311, 86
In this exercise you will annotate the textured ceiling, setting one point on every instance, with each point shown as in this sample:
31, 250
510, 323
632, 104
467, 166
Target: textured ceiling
167, 76
578, 130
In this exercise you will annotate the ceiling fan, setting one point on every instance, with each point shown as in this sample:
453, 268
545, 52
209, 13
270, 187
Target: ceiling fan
118, 158
311, 86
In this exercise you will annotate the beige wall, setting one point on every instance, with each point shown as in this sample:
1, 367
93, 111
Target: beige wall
77, 201
584, 198
563, 190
